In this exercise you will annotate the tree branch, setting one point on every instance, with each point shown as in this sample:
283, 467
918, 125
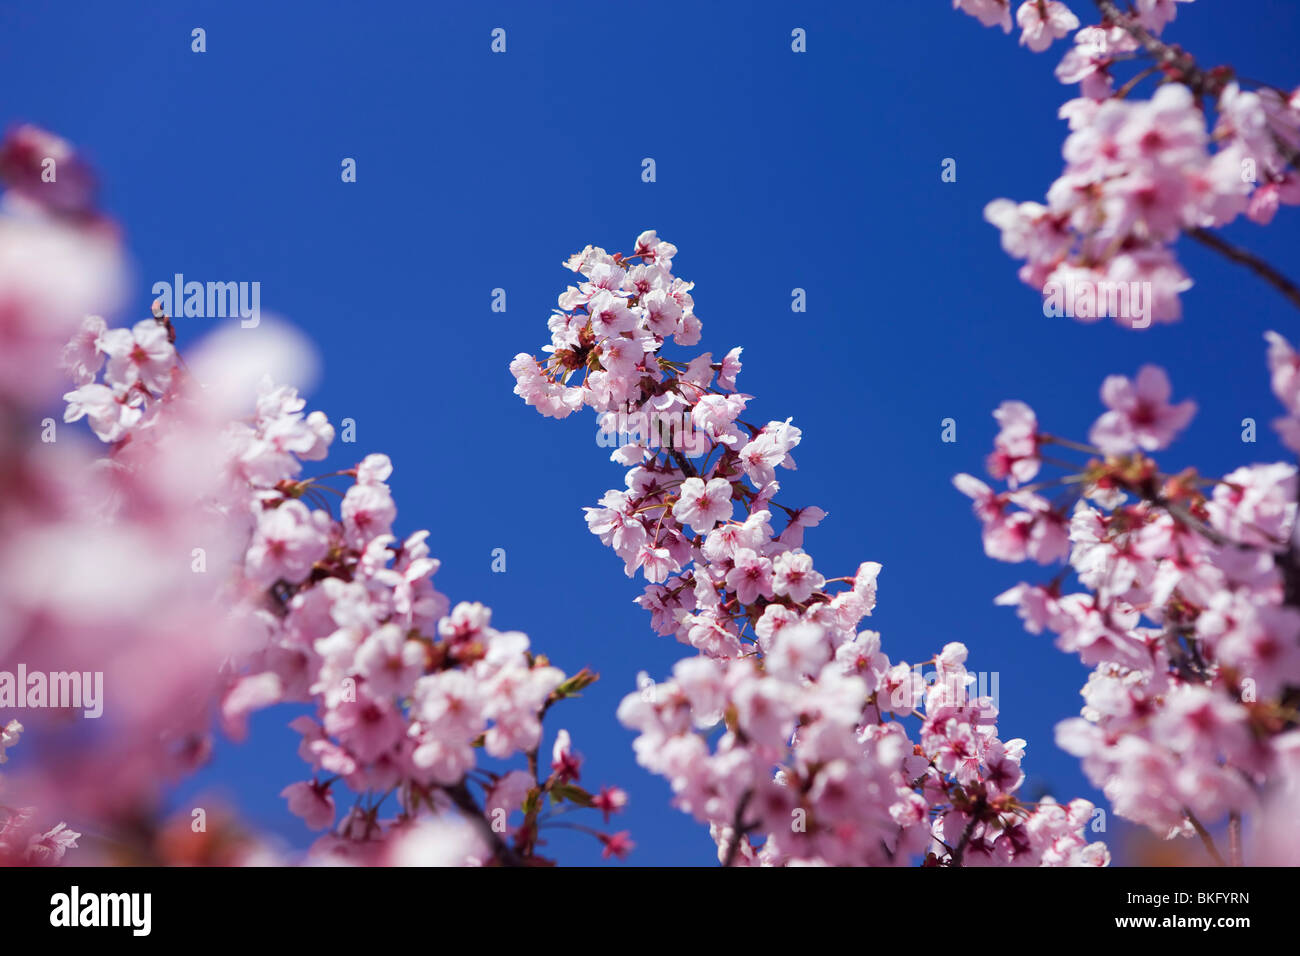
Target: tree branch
464, 801
1201, 82
1204, 834
960, 849
738, 829
1165, 55
1251, 261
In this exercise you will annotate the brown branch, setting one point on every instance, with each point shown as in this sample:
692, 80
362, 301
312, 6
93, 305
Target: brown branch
1166, 56
960, 849
1205, 837
1202, 82
464, 801
738, 829
683, 463
1251, 261
1205, 83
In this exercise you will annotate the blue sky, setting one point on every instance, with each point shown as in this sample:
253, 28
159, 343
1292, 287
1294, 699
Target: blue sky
775, 170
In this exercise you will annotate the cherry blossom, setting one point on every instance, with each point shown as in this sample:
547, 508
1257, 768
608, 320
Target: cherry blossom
1015, 450
286, 601
991, 13
1042, 21
1187, 614
1140, 415
1203, 150
783, 677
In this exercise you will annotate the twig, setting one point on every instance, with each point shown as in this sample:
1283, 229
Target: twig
1192, 75
960, 850
682, 462
464, 801
1251, 261
1202, 82
1205, 837
738, 829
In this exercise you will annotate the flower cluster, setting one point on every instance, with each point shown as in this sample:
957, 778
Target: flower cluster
195, 551
21, 840
1040, 21
1141, 172
784, 679
1189, 609
339, 612
95, 565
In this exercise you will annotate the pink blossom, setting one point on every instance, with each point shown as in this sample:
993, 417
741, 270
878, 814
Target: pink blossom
24, 157
750, 576
289, 540
84, 354
565, 763
311, 801
991, 13
1015, 454
111, 414
48, 848
701, 505
794, 577
389, 662
368, 511
1157, 14
1042, 21
616, 844
141, 355
1140, 415
610, 800
806, 692
730, 369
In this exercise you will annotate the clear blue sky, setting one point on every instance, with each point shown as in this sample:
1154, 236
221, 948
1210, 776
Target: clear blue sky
775, 170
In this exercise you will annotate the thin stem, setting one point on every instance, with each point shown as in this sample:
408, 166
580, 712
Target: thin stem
1127, 88
738, 829
1251, 261
1188, 73
1204, 834
1072, 445
465, 802
1165, 55
960, 850
684, 464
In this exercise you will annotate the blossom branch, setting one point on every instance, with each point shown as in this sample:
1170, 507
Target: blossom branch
1251, 261
739, 829
465, 802
1205, 836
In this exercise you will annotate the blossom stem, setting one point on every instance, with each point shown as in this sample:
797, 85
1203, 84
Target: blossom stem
960, 850
1072, 445
738, 829
1166, 56
1251, 261
1204, 834
465, 802
1234, 838
1127, 88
